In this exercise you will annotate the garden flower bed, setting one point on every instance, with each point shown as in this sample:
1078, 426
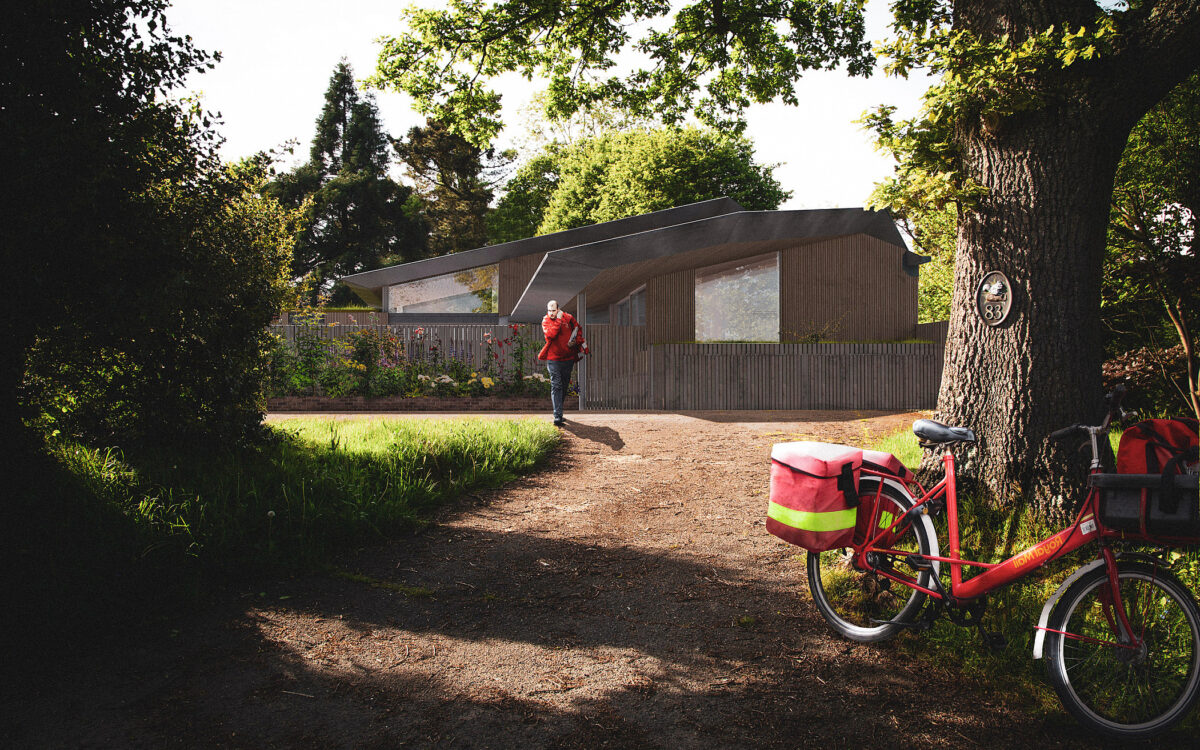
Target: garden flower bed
382, 368
417, 403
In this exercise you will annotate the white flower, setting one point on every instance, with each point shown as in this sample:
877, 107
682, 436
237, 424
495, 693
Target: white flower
422, 377
446, 379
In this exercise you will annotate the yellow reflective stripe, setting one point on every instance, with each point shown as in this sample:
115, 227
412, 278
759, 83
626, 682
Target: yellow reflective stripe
837, 520
885, 519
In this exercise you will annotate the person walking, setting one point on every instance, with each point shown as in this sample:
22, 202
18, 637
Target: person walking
564, 347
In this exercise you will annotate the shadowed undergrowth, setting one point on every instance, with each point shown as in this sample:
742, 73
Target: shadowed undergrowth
98, 536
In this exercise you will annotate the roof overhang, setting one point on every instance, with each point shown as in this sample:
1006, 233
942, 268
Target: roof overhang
565, 273
369, 284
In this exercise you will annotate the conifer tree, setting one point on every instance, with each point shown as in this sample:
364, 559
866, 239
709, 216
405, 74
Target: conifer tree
456, 181
357, 217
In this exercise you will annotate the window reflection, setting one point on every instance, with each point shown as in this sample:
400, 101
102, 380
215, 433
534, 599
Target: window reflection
739, 301
631, 311
472, 291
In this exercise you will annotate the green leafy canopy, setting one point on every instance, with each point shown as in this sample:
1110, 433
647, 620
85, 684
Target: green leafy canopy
710, 59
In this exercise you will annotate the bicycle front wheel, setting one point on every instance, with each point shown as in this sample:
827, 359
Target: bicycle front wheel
1128, 688
865, 606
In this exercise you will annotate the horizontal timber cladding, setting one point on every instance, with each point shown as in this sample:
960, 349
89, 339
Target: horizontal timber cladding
846, 289
624, 372
515, 275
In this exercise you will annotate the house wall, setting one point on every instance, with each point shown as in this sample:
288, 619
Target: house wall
671, 307
846, 289
850, 288
515, 274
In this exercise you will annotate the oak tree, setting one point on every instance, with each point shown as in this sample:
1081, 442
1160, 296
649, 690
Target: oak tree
621, 174
1034, 106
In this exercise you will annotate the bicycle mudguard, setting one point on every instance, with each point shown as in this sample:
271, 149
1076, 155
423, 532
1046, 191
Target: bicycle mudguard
924, 520
1039, 637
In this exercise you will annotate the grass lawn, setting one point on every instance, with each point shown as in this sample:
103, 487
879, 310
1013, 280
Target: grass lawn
319, 486
98, 539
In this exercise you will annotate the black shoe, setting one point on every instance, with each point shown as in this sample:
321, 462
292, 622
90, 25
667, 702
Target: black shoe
559, 422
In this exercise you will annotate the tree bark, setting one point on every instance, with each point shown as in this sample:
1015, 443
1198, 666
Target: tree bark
1049, 176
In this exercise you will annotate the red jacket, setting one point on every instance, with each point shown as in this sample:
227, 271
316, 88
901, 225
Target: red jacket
558, 333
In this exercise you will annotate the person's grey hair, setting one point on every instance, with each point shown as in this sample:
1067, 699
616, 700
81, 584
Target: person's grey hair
552, 305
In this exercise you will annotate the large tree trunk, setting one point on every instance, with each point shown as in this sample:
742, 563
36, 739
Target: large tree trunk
1049, 175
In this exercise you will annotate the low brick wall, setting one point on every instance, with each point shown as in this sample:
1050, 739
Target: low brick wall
399, 403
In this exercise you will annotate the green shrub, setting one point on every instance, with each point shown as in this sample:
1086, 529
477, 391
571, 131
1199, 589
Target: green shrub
375, 362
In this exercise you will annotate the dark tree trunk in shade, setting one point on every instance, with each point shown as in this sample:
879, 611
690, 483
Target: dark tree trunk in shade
1049, 174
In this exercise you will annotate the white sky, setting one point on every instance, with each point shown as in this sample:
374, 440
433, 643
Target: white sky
279, 55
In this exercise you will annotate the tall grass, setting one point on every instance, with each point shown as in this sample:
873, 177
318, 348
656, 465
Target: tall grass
321, 486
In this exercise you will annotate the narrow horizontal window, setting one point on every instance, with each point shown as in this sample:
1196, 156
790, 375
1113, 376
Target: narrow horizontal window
472, 291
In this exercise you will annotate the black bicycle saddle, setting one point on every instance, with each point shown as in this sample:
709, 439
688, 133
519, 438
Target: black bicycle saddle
936, 432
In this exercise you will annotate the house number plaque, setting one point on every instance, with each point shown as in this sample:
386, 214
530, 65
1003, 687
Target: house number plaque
993, 300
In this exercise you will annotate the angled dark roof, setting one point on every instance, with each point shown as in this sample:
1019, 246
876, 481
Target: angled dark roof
369, 284
575, 257
564, 273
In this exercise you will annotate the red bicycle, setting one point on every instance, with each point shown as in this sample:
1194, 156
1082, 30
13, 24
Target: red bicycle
1121, 636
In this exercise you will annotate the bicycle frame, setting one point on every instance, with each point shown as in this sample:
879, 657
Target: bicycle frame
1083, 530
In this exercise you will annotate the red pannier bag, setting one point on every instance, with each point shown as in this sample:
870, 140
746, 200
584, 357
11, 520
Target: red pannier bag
814, 494
1158, 446
1154, 495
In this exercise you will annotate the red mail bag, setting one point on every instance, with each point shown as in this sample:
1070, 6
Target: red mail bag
814, 494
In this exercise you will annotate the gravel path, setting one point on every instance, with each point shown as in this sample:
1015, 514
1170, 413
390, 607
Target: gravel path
625, 596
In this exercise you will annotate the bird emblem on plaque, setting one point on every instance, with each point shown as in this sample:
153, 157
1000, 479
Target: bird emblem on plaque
993, 300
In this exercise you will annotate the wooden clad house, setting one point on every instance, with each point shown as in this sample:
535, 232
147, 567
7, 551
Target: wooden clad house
707, 271
699, 307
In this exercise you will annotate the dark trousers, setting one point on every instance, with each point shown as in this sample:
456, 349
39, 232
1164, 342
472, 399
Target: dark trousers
560, 378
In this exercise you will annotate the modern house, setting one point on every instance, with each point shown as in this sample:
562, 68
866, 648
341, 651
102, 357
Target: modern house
657, 289
703, 272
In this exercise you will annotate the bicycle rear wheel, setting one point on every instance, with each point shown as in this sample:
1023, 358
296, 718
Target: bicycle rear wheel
865, 606
1135, 690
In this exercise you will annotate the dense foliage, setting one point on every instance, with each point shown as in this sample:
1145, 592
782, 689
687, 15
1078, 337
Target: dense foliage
1152, 270
621, 174
355, 216
712, 59
455, 181
144, 270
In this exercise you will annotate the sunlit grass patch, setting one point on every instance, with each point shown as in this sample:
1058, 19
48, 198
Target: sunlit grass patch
322, 485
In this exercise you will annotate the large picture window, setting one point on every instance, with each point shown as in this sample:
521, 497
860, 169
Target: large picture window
739, 301
471, 291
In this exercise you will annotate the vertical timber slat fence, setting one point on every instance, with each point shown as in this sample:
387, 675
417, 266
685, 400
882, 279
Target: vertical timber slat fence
626, 372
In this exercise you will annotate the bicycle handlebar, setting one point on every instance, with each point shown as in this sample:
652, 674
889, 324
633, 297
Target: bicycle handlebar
1066, 432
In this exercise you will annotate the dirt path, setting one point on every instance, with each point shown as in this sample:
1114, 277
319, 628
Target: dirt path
627, 596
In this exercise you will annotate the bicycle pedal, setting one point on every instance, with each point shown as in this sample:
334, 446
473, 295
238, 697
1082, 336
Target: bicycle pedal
916, 562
